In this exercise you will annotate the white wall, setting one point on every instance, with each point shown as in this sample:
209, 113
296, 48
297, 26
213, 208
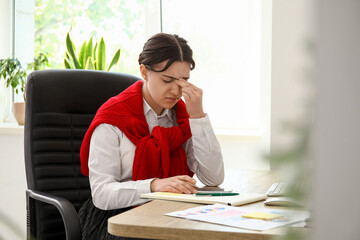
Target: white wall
12, 183
292, 28
244, 152
337, 179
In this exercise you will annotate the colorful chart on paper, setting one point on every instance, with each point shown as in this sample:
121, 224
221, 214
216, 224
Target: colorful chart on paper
232, 216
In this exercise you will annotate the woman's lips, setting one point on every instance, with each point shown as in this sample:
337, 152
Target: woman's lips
172, 99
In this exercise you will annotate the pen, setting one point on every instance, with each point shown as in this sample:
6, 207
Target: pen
217, 194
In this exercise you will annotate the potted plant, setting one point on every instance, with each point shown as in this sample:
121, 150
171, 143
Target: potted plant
15, 76
89, 57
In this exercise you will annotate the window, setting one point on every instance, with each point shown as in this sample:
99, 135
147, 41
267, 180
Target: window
120, 22
226, 36
231, 41
226, 40
41, 26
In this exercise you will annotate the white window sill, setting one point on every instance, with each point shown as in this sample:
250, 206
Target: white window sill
11, 129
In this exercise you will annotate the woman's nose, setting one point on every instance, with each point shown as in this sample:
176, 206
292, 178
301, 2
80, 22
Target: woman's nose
175, 89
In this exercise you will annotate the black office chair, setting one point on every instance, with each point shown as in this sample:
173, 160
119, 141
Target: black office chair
60, 105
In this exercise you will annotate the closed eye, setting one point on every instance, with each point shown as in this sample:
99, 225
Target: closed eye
167, 81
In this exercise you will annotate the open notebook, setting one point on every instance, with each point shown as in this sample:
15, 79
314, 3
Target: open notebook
237, 200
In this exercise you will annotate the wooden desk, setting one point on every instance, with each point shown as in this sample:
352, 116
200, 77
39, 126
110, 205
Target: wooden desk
149, 221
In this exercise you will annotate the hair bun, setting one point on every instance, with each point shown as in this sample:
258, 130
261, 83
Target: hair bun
140, 58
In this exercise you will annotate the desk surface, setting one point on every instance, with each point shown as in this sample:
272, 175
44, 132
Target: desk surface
149, 221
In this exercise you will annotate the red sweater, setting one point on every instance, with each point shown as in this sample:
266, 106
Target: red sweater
157, 155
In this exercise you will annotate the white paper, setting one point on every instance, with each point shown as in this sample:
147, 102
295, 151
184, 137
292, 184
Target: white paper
232, 216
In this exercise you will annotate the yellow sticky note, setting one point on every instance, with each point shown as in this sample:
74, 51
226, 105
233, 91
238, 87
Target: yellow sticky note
262, 215
167, 194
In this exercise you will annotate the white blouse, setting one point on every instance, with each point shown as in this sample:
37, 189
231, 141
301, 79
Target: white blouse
112, 154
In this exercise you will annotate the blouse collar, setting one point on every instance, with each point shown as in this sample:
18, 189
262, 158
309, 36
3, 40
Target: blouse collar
148, 110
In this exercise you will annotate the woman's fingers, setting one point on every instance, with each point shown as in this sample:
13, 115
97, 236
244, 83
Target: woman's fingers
183, 184
190, 89
186, 178
177, 184
193, 98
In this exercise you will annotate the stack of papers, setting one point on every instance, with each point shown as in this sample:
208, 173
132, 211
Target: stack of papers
243, 217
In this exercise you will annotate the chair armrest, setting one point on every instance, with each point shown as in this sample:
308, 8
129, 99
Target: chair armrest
66, 209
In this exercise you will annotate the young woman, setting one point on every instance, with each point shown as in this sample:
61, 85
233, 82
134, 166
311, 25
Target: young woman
146, 139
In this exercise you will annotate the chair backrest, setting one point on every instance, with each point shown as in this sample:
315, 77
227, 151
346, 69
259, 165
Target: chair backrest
60, 105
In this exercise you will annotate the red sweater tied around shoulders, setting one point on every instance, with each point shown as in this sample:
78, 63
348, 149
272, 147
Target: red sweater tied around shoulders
157, 155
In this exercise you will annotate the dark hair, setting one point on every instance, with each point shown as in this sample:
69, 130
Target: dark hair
163, 46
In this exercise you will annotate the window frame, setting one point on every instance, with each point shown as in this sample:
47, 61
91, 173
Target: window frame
155, 25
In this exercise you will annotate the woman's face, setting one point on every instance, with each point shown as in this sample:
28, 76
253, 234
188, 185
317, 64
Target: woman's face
160, 89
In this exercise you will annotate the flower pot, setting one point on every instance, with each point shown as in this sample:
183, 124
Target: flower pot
19, 112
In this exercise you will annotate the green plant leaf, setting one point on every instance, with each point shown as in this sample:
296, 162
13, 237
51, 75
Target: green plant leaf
67, 64
88, 51
101, 56
90, 64
39, 62
13, 73
115, 59
82, 61
94, 51
71, 51
67, 56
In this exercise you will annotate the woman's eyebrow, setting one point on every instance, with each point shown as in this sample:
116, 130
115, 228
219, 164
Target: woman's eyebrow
174, 78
